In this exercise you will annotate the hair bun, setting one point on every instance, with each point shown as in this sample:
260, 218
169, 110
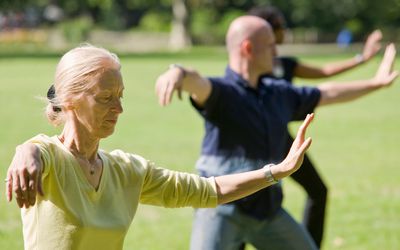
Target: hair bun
51, 94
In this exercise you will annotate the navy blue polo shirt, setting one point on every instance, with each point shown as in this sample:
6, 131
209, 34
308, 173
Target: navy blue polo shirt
246, 128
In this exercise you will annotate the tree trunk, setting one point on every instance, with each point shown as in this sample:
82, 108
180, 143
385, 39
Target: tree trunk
180, 35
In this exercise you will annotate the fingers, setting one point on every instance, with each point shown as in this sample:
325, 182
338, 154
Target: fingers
24, 187
161, 89
393, 76
163, 93
306, 144
390, 51
166, 98
296, 153
299, 140
17, 189
24, 175
167, 84
375, 36
24, 183
31, 192
303, 128
293, 160
372, 45
35, 184
9, 190
387, 62
169, 92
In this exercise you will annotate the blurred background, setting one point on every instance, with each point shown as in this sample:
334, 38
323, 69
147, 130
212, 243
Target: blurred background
149, 25
355, 146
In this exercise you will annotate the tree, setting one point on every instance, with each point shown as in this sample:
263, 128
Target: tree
180, 35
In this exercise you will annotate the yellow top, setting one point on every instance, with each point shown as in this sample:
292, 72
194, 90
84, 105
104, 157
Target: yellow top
73, 215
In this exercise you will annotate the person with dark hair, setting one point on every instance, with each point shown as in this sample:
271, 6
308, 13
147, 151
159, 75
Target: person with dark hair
289, 67
89, 197
246, 113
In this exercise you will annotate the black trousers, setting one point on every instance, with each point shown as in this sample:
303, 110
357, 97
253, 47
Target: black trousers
314, 212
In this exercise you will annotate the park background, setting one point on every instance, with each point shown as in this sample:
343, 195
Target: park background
356, 146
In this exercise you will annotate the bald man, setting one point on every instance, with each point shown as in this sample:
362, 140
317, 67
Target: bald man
246, 113
289, 67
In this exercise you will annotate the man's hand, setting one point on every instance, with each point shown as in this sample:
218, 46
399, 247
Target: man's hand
167, 83
385, 75
372, 45
24, 175
182, 79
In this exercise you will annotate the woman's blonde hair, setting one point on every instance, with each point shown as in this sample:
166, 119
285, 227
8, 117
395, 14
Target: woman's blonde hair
74, 74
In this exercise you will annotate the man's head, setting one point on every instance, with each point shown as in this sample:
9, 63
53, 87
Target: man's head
274, 17
250, 41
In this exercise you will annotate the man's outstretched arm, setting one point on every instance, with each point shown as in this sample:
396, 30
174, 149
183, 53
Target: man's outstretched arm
348, 91
178, 78
371, 48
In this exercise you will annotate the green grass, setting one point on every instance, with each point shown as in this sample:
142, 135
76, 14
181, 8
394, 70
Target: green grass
355, 148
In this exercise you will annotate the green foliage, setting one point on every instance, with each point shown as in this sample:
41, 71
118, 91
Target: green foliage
77, 29
328, 17
226, 20
104, 4
110, 18
156, 21
202, 23
210, 27
355, 26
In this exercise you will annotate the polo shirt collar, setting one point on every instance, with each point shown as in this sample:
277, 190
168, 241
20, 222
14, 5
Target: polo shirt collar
235, 77
238, 79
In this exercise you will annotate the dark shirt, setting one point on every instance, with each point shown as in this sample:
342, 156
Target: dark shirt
284, 68
246, 128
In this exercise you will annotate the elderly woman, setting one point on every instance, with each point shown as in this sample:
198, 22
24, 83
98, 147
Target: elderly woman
88, 197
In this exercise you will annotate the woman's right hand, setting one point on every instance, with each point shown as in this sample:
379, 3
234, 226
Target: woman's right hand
24, 175
295, 157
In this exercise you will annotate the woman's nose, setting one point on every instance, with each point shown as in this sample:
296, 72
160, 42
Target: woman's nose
117, 106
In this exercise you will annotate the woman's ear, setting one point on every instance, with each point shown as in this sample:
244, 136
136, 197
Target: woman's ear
69, 105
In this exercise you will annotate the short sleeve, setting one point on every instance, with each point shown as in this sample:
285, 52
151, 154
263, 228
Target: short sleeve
43, 142
213, 103
304, 101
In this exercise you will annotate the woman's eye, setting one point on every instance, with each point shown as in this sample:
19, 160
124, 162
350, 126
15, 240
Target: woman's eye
105, 99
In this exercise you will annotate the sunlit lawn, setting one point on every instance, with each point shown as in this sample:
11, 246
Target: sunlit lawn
356, 149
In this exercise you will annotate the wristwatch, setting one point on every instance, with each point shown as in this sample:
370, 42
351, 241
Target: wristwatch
268, 175
180, 67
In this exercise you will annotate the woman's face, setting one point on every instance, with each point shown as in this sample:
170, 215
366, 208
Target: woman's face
97, 110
